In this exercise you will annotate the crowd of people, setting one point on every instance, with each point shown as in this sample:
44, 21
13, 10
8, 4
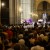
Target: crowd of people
20, 38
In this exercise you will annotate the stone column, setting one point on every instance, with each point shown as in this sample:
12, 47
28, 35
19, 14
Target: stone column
18, 21
15, 11
33, 8
12, 11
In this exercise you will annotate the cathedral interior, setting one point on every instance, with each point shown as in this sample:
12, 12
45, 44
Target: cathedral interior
24, 24
17, 11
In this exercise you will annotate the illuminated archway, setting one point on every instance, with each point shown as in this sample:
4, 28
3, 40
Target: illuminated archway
43, 6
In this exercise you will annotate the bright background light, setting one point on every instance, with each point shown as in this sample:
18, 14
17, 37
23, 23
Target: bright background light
34, 14
20, 9
3, 4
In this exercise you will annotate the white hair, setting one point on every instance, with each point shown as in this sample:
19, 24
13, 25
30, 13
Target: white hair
37, 48
21, 41
20, 36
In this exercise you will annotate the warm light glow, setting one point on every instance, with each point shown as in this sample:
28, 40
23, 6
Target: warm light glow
34, 14
3, 4
20, 9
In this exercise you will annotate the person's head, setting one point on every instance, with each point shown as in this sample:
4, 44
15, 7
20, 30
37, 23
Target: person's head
20, 36
32, 41
21, 42
37, 48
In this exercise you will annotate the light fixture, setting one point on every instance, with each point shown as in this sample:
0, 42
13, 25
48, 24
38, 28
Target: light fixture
20, 9
3, 4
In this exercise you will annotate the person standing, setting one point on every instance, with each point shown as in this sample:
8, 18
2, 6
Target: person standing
44, 18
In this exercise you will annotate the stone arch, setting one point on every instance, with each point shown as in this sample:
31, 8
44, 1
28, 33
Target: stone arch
39, 1
40, 8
